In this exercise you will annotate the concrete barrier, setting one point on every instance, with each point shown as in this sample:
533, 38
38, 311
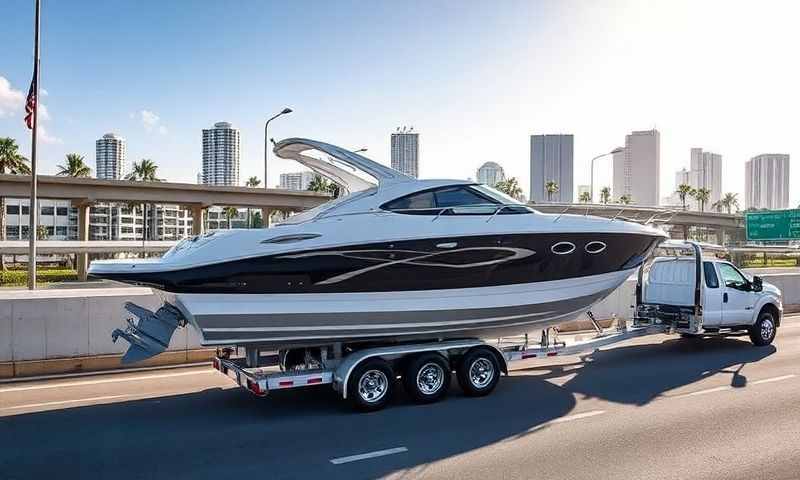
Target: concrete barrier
60, 331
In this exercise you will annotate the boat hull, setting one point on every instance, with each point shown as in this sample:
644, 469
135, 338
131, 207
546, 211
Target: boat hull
273, 320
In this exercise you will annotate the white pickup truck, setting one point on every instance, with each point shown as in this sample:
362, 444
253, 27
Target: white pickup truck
706, 295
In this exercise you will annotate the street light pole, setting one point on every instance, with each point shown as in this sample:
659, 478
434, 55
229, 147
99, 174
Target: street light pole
266, 142
591, 183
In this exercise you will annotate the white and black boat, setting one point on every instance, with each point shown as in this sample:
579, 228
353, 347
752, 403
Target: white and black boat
392, 259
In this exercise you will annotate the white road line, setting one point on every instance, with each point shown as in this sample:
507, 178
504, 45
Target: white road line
728, 387
105, 380
567, 418
364, 456
65, 402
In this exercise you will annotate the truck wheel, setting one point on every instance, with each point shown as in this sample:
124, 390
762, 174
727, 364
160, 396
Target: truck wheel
478, 372
427, 377
371, 385
763, 331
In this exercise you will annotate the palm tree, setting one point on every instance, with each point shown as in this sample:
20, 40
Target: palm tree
74, 167
10, 162
625, 199
718, 206
510, 187
605, 195
702, 195
682, 191
252, 182
144, 171
230, 212
550, 187
585, 197
319, 184
729, 201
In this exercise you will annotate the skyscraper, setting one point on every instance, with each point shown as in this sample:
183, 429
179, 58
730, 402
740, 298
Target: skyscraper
110, 153
405, 151
221, 155
706, 172
297, 180
551, 160
766, 181
637, 168
491, 174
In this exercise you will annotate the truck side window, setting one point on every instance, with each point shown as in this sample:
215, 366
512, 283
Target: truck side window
732, 277
711, 275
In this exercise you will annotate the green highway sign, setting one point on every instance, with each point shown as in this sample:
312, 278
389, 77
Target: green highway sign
773, 225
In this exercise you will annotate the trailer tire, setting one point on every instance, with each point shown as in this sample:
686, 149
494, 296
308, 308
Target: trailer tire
762, 333
371, 385
427, 377
478, 372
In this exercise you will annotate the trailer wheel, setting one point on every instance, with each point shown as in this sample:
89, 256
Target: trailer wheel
763, 331
478, 372
371, 385
427, 377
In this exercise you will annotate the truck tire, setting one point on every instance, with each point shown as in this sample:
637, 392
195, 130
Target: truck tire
478, 372
371, 385
427, 377
762, 332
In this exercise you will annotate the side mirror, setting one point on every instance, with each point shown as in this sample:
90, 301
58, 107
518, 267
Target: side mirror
758, 284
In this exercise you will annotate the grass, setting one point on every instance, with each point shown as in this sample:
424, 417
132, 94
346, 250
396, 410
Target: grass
11, 278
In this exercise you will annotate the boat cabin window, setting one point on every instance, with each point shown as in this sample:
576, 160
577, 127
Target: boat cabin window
458, 200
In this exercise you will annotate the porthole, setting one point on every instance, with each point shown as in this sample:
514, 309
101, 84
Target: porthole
595, 247
563, 248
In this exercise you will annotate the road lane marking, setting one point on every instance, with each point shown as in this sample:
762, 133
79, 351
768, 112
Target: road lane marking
364, 456
567, 418
65, 402
106, 380
728, 387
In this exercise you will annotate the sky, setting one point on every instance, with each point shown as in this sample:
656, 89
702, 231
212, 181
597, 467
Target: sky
476, 79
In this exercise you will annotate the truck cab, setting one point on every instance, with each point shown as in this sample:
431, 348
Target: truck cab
704, 294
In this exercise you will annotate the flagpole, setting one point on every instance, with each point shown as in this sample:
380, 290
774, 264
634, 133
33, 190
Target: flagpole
33, 218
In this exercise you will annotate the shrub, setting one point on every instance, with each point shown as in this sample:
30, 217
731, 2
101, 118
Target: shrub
20, 277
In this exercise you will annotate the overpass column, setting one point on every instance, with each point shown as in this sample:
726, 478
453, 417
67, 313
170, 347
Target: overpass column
197, 219
83, 235
265, 216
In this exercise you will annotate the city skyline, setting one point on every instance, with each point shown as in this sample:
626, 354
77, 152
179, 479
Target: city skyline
589, 96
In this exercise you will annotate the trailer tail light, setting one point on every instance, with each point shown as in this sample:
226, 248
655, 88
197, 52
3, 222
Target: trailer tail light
286, 383
255, 388
215, 363
314, 380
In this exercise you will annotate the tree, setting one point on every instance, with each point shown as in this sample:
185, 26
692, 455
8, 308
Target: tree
585, 197
730, 201
510, 187
252, 182
10, 162
74, 167
605, 195
625, 199
144, 171
230, 212
550, 187
319, 184
718, 206
684, 190
41, 233
702, 195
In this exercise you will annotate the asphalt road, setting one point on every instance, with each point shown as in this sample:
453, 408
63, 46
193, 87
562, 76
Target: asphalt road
657, 407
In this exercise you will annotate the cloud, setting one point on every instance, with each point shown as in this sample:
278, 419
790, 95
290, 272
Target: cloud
44, 113
151, 121
11, 101
45, 137
43, 92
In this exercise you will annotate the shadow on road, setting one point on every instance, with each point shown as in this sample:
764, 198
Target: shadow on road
293, 434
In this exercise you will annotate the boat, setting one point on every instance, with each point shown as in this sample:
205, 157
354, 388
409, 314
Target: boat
392, 259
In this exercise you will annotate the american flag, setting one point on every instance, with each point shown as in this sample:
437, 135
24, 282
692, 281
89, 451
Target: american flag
30, 105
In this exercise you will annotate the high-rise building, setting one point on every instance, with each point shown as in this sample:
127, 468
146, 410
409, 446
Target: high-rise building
297, 180
491, 174
552, 160
110, 153
637, 168
221, 155
706, 172
405, 151
766, 181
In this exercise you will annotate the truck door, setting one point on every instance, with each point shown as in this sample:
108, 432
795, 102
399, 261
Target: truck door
737, 298
712, 296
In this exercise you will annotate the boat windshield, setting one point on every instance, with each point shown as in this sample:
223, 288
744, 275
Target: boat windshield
327, 207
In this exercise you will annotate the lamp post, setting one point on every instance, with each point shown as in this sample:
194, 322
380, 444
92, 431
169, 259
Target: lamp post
591, 184
266, 141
